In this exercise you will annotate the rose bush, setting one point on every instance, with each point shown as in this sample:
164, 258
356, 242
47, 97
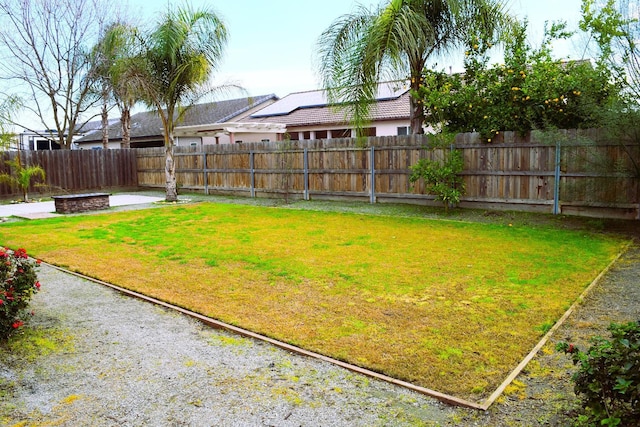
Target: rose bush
18, 283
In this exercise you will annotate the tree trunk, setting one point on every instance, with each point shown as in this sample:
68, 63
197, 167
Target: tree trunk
65, 141
170, 171
125, 121
105, 124
416, 109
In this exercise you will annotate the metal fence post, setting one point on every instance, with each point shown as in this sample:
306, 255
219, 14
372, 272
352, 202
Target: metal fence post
556, 183
306, 173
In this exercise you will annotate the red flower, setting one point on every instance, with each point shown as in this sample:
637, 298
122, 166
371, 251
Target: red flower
38, 261
37, 285
571, 349
17, 324
1, 302
21, 253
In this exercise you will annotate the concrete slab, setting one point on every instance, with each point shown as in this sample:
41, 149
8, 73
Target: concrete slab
37, 215
38, 210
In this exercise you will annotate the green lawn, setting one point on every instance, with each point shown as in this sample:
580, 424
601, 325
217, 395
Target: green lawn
452, 306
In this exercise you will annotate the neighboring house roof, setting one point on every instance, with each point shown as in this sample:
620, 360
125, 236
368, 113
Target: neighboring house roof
93, 126
148, 125
312, 108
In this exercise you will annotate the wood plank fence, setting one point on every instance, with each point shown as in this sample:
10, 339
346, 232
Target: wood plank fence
73, 171
571, 172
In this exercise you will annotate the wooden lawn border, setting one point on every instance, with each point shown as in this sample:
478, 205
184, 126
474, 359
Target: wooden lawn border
442, 397
491, 399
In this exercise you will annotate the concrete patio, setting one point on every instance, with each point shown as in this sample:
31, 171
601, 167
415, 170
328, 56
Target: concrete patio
38, 210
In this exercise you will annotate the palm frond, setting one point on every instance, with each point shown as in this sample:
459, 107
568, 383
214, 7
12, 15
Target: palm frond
395, 41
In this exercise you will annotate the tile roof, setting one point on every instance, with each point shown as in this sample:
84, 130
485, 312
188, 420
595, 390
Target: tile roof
147, 124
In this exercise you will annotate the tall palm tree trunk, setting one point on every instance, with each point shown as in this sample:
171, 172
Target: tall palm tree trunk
170, 176
170, 170
104, 115
416, 108
125, 121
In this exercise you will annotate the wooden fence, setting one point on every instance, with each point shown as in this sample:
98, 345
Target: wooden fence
73, 171
568, 172
562, 173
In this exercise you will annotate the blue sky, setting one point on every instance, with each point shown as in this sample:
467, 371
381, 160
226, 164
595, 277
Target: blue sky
272, 43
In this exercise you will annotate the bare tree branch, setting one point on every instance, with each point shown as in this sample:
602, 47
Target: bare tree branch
46, 61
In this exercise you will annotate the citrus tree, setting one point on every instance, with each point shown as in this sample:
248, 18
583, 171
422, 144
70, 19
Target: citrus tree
530, 90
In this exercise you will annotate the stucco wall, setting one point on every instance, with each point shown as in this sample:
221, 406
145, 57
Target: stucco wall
386, 128
244, 137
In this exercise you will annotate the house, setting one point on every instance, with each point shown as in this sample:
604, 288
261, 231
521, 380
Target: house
44, 140
308, 115
301, 115
37, 140
201, 124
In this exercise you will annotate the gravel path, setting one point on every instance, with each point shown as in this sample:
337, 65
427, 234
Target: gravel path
111, 360
124, 362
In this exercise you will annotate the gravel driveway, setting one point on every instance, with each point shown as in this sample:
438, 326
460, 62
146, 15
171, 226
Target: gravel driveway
111, 360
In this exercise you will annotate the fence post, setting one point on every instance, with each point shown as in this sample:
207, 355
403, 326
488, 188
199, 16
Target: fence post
372, 157
556, 183
253, 182
306, 173
205, 173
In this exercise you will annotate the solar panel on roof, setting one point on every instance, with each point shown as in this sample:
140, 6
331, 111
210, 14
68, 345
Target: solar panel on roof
318, 98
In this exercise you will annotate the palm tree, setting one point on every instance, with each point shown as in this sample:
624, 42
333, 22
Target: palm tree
117, 56
21, 177
180, 55
394, 42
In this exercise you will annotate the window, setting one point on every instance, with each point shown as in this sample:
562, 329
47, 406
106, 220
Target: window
45, 144
321, 134
265, 140
404, 130
306, 135
367, 132
341, 133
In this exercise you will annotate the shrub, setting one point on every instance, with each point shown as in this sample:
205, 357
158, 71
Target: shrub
18, 282
608, 379
441, 177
